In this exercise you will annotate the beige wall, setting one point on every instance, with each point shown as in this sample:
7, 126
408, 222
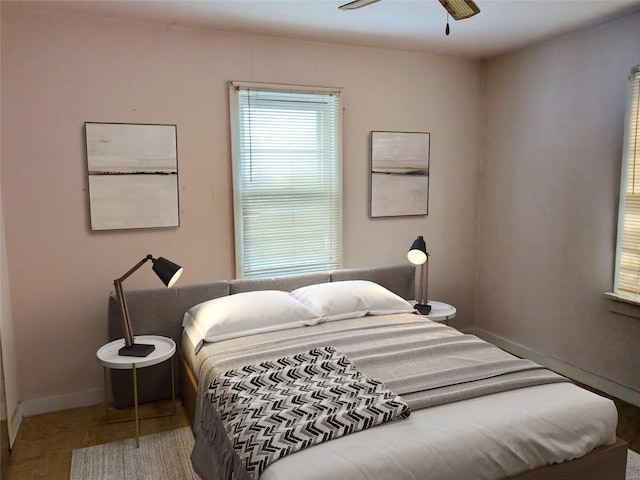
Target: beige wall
549, 198
60, 71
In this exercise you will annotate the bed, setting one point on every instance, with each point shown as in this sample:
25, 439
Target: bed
546, 428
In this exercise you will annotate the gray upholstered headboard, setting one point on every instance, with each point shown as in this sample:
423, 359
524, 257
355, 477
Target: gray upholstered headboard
159, 311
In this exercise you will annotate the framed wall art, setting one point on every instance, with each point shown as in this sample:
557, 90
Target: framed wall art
132, 175
399, 174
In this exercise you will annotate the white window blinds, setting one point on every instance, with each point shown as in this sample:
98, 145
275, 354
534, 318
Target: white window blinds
627, 282
287, 176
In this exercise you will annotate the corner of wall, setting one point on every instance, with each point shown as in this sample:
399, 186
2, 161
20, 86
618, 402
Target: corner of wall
482, 121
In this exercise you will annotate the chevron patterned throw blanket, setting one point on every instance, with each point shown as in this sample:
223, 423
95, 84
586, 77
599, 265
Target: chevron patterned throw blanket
274, 408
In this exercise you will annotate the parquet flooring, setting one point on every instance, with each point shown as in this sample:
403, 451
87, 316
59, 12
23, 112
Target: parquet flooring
43, 447
44, 444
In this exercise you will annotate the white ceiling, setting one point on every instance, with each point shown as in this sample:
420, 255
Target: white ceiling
415, 25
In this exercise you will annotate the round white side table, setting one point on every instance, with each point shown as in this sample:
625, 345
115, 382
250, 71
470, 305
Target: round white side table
108, 357
441, 312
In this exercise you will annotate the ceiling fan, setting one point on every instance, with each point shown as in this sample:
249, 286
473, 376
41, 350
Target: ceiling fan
458, 9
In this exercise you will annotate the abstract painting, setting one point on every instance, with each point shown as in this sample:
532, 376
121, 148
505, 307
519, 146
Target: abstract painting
399, 174
133, 175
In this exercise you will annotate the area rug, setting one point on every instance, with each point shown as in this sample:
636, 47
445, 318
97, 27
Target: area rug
166, 456
162, 456
633, 465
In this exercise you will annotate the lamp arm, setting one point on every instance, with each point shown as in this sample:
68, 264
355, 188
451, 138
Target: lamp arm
426, 281
420, 285
135, 267
423, 294
124, 310
124, 313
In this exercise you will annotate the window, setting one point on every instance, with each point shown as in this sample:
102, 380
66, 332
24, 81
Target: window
286, 147
627, 276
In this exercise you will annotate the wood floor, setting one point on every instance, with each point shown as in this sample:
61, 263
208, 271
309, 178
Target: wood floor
44, 444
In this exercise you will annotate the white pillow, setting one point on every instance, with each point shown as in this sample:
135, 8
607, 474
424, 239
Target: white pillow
350, 299
246, 313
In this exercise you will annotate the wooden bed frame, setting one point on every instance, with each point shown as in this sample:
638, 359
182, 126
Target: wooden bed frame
160, 312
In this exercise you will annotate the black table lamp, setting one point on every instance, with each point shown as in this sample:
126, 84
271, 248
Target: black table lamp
169, 273
418, 255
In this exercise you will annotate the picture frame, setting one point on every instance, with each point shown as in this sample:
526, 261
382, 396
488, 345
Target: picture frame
399, 174
132, 172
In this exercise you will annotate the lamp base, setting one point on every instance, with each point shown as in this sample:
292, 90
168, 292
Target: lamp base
136, 350
423, 309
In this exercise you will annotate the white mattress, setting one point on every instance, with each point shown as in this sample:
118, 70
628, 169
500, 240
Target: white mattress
489, 437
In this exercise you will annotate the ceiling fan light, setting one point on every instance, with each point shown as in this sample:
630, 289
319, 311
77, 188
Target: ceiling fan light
460, 9
357, 4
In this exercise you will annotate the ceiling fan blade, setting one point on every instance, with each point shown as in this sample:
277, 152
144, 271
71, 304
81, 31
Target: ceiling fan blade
460, 9
357, 4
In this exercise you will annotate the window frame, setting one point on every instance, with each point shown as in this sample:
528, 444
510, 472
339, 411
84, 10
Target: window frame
630, 158
238, 193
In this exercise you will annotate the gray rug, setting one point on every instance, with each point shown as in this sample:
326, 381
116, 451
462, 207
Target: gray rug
633, 465
162, 456
166, 456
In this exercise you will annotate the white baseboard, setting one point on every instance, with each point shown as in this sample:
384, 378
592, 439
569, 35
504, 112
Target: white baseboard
62, 402
15, 419
625, 394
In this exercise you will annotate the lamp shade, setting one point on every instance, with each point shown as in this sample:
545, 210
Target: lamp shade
418, 252
167, 271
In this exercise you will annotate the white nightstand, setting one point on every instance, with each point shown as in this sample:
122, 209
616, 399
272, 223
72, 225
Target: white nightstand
441, 312
108, 357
